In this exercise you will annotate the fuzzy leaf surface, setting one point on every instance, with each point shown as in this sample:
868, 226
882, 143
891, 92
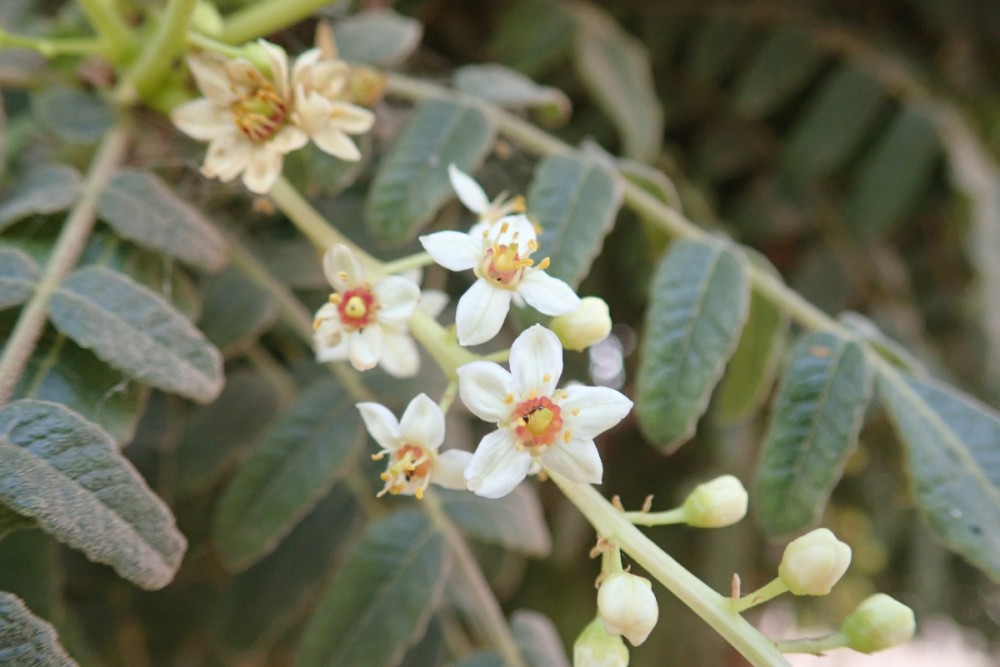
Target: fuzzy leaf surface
47, 188
378, 37
25, 639
18, 274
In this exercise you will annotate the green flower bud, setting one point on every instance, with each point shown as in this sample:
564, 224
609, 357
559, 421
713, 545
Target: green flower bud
880, 622
813, 563
206, 19
596, 648
590, 323
627, 606
716, 503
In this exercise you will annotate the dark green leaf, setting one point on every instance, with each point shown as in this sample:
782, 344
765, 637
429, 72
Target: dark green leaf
141, 208
538, 639
45, 189
700, 296
481, 659
716, 45
887, 348
381, 600
894, 174
814, 428
953, 460
295, 464
71, 114
514, 521
18, 274
780, 69
236, 310
67, 475
412, 183
25, 639
377, 37
575, 200
533, 36
615, 68
137, 332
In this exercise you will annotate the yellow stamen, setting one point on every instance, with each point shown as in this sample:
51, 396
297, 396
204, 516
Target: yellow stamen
546, 378
576, 411
544, 264
335, 298
508, 399
567, 436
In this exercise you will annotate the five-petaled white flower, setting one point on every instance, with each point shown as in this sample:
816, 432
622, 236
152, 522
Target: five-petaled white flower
472, 195
500, 255
412, 446
538, 424
366, 323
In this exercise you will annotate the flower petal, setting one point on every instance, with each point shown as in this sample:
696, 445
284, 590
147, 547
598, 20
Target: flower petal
342, 268
536, 361
263, 170
330, 351
422, 423
469, 192
210, 75
588, 411
546, 294
288, 139
397, 299
578, 461
278, 64
497, 465
454, 251
334, 142
350, 118
366, 347
381, 424
227, 158
513, 229
485, 387
449, 469
432, 302
481, 312
400, 357
203, 120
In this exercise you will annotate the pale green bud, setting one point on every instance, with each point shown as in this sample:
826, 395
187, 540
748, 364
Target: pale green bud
590, 323
813, 563
206, 19
880, 622
596, 648
627, 606
716, 503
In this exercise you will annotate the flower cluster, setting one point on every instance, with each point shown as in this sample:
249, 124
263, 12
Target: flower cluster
253, 113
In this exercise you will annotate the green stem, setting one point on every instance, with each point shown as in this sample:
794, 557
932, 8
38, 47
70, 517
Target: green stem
264, 18
491, 620
207, 43
440, 344
160, 51
815, 646
666, 518
118, 37
51, 47
313, 225
448, 397
768, 591
65, 253
692, 591
416, 261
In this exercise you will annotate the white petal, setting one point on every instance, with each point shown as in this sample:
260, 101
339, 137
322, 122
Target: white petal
338, 351
382, 424
278, 62
304, 63
481, 312
342, 268
487, 390
432, 301
536, 361
210, 74
578, 461
203, 120
449, 469
288, 139
422, 423
366, 347
546, 294
514, 229
263, 170
334, 142
468, 190
397, 299
454, 251
350, 118
400, 357
497, 466
226, 158
588, 411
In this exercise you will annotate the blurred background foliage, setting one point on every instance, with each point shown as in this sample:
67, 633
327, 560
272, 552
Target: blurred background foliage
853, 144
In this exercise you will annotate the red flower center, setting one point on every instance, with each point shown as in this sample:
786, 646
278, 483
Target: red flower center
357, 308
537, 421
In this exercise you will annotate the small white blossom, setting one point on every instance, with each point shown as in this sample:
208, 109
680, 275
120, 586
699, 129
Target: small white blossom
813, 563
500, 256
472, 195
412, 447
366, 323
627, 606
537, 424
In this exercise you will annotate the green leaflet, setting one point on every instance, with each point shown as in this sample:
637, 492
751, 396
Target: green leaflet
814, 428
382, 598
140, 207
538, 639
18, 274
778, 70
615, 68
236, 311
44, 189
412, 183
575, 200
877, 340
297, 461
136, 331
953, 461
25, 639
508, 88
67, 475
514, 522
71, 114
533, 36
377, 37
699, 300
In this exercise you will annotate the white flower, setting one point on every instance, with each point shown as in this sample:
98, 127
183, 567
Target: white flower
472, 195
366, 323
813, 563
499, 254
412, 445
536, 422
627, 606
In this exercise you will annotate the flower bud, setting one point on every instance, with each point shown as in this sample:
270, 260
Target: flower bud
627, 606
716, 503
596, 648
880, 622
206, 19
813, 563
590, 323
